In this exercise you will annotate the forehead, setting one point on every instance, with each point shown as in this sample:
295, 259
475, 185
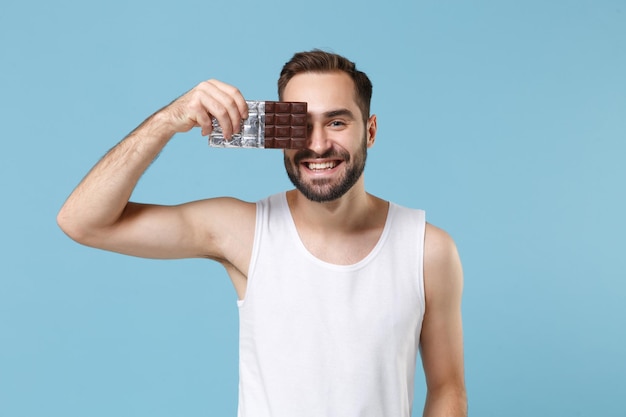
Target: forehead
322, 91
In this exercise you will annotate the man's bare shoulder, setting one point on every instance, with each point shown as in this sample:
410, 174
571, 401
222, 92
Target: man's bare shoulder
439, 246
442, 264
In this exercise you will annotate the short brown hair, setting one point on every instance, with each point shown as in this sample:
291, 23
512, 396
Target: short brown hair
321, 61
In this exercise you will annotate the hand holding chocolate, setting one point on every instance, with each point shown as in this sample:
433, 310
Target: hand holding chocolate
270, 124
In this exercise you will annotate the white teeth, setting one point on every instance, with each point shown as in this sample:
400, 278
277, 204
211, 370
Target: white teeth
322, 165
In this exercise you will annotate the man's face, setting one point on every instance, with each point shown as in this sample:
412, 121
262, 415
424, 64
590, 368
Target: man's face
334, 158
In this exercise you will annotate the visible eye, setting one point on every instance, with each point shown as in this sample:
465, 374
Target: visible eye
336, 123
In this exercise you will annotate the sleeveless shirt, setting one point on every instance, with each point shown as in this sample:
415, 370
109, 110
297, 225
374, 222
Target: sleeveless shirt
319, 339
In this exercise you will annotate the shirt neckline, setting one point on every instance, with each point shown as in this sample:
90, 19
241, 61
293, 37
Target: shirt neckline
293, 230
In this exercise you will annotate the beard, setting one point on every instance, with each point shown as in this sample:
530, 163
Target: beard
324, 190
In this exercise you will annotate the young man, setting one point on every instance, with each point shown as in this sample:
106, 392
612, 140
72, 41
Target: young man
338, 289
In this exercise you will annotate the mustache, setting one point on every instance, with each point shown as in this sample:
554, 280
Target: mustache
309, 154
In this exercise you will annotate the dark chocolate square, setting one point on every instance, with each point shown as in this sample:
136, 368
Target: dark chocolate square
285, 124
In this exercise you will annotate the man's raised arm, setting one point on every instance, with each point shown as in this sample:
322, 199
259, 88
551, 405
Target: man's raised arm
98, 212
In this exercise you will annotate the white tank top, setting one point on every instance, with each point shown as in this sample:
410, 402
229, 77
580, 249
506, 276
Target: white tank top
325, 340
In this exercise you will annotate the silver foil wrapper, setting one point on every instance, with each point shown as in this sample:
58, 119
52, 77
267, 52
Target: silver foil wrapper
252, 130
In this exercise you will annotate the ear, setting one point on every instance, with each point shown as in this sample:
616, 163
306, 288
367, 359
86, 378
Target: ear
372, 127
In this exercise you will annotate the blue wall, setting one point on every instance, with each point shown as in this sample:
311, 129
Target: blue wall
505, 120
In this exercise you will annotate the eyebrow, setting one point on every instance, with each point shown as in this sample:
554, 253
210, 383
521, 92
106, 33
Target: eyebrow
338, 113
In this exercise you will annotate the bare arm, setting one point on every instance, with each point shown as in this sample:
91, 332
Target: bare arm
442, 332
98, 212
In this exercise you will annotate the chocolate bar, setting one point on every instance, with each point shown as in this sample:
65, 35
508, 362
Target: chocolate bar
270, 124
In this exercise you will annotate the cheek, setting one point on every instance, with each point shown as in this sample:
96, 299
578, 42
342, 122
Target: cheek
288, 156
288, 161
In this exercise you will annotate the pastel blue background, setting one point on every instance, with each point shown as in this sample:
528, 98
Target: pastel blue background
505, 120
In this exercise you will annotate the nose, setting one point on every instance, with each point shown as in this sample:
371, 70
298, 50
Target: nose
318, 141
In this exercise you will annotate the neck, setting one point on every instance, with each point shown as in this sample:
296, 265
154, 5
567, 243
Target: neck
354, 211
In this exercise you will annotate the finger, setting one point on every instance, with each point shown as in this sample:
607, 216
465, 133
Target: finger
196, 105
216, 99
228, 121
209, 102
236, 95
206, 101
234, 103
234, 106
205, 122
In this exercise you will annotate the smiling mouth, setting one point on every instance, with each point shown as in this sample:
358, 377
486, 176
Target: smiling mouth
321, 166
